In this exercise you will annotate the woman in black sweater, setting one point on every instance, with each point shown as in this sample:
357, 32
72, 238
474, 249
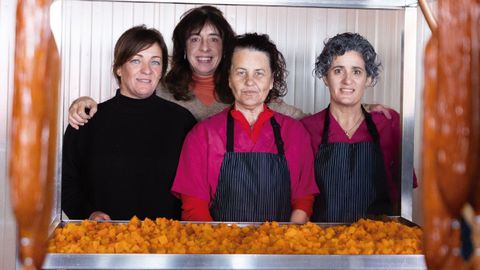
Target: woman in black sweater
123, 162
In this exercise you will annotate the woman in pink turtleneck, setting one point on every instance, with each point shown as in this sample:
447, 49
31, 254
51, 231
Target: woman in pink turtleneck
197, 79
203, 88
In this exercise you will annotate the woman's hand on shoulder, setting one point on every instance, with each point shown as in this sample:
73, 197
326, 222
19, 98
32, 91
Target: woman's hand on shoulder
378, 108
77, 116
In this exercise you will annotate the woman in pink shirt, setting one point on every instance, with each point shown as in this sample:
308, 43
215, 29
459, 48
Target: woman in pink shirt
356, 152
248, 163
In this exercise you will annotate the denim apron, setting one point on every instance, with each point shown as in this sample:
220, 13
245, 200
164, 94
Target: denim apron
351, 178
252, 186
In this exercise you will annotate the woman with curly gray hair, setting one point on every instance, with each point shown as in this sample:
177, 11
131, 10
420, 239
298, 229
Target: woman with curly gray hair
356, 152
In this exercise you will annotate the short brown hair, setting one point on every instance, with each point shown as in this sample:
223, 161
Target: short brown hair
134, 40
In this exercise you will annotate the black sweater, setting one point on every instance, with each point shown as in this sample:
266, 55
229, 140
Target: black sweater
124, 160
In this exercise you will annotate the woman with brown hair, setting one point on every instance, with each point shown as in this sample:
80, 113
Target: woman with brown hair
123, 163
198, 78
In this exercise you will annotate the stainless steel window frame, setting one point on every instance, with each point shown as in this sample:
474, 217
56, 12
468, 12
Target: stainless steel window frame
164, 261
409, 43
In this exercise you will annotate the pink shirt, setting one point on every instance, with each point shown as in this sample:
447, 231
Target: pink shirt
388, 130
205, 146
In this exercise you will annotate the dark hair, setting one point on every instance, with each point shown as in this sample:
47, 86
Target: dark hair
134, 40
179, 77
262, 43
342, 43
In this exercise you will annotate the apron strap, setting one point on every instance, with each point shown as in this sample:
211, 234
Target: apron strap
326, 126
382, 204
275, 127
372, 129
230, 131
278, 137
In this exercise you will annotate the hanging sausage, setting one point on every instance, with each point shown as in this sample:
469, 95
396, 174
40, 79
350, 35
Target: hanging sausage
451, 140
34, 123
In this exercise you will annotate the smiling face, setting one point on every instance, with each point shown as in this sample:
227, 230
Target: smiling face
204, 50
250, 78
140, 75
347, 79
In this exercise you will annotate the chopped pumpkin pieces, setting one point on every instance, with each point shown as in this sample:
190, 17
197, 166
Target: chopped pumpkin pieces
172, 237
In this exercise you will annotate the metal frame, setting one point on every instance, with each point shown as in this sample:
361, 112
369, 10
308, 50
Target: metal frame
237, 261
234, 261
408, 80
364, 4
243, 261
408, 109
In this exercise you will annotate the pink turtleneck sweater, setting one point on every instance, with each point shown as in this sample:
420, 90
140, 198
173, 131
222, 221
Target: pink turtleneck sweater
204, 89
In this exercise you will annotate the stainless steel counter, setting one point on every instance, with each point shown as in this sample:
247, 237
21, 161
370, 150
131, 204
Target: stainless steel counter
234, 261
240, 261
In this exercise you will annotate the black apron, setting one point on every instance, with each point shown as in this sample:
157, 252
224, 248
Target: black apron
252, 187
351, 178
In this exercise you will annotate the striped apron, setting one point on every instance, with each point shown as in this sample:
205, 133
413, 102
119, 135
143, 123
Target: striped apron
351, 178
252, 186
